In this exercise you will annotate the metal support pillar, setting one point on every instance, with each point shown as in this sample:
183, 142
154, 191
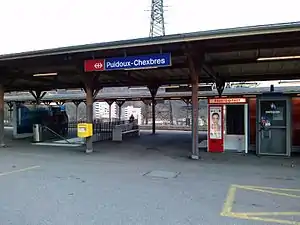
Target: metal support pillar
91, 87
153, 91
89, 116
147, 103
187, 101
220, 84
120, 102
10, 110
60, 103
109, 112
153, 104
38, 95
109, 102
76, 103
195, 60
146, 113
195, 116
171, 113
47, 102
246, 118
2, 144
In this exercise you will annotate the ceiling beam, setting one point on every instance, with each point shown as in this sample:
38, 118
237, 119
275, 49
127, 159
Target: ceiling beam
240, 61
29, 78
261, 77
210, 72
40, 87
251, 45
228, 62
182, 79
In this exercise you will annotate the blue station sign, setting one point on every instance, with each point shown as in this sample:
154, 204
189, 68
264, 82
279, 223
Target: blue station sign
129, 62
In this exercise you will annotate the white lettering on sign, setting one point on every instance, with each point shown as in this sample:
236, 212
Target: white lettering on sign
149, 62
273, 112
118, 64
136, 63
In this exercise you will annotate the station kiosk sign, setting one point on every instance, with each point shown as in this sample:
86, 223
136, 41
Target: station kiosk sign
227, 124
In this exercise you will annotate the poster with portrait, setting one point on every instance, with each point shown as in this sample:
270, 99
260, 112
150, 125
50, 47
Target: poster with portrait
215, 120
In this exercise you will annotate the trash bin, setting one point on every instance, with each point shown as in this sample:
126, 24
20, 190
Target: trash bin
37, 132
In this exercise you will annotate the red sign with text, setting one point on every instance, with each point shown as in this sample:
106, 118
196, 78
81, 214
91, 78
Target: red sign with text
227, 100
215, 128
94, 65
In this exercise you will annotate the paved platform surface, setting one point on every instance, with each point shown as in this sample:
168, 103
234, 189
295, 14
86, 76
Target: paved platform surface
55, 185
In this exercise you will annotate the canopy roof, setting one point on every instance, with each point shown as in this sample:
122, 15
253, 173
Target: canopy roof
131, 95
229, 54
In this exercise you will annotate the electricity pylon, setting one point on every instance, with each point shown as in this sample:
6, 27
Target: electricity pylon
157, 28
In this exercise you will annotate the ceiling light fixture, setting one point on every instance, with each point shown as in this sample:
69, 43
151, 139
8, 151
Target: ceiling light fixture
44, 74
278, 58
172, 86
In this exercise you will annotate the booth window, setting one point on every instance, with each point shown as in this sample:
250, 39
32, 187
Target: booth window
235, 123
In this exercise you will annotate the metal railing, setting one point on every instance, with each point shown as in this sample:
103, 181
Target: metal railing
102, 130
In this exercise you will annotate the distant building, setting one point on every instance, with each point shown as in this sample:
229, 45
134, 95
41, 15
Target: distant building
101, 110
130, 110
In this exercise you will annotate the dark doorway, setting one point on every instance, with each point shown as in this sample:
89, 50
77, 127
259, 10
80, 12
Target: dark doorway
235, 123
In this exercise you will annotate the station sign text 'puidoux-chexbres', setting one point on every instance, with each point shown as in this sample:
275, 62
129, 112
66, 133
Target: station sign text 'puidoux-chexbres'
129, 62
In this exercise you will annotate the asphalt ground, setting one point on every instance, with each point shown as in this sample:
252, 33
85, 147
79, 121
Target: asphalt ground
146, 180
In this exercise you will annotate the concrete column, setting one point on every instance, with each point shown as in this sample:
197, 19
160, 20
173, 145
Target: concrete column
2, 144
89, 116
153, 90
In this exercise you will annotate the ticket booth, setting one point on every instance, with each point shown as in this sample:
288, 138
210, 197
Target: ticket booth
273, 124
227, 125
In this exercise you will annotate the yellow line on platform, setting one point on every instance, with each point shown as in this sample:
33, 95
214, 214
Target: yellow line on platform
271, 188
230, 198
268, 191
227, 208
267, 213
264, 219
19, 171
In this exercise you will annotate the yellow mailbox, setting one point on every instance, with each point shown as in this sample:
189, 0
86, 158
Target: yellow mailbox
84, 130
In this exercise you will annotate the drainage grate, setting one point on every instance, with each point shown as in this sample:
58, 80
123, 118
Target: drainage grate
161, 174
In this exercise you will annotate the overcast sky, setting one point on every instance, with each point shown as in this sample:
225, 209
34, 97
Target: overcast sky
39, 24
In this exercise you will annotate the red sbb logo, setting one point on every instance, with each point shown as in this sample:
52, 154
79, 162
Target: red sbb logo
94, 65
98, 66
